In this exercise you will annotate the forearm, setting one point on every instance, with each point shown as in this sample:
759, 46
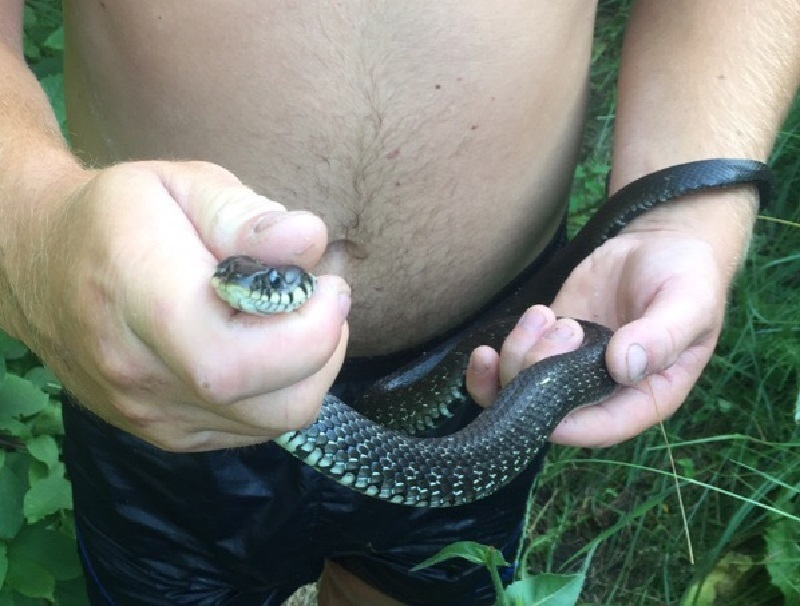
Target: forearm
704, 78
701, 79
35, 167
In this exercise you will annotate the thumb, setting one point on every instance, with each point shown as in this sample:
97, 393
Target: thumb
672, 324
230, 218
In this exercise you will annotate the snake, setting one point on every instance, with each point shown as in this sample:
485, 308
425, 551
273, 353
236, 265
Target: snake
387, 444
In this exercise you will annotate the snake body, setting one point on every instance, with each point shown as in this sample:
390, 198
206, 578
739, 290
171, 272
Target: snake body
375, 446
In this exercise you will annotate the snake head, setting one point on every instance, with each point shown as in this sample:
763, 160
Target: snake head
252, 286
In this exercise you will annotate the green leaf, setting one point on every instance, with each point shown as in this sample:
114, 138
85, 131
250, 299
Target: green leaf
547, 590
30, 18
53, 85
725, 405
49, 549
6, 596
31, 49
11, 349
797, 407
50, 421
47, 496
44, 449
44, 380
3, 564
686, 467
468, 550
55, 40
72, 593
14, 428
728, 573
783, 559
20, 398
30, 579
38, 471
12, 487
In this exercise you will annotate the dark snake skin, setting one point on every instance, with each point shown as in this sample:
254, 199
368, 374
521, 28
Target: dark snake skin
376, 452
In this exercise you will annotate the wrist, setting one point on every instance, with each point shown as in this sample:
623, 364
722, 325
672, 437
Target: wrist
34, 191
723, 219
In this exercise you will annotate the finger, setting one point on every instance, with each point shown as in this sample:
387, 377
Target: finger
563, 336
671, 324
530, 328
225, 356
483, 375
232, 219
631, 410
295, 406
173, 310
185, 427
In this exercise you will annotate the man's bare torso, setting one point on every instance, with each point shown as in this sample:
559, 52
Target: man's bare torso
435, 139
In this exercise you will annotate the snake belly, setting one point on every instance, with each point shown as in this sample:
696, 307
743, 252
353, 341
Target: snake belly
379, 454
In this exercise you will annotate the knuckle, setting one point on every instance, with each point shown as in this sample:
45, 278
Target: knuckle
307, 347
197, 441
322, 338
300, 416
211, 169
161, 427
119, 371
315, 360
139, 415
178, 442
110, 179
170, 442
214, 382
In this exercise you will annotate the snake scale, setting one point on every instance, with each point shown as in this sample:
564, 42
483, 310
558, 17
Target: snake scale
375, 446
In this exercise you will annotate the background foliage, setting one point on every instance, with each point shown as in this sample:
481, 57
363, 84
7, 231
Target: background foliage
38, 560
734, 442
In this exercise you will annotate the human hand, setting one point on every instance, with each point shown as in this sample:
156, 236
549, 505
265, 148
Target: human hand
122, 310
662, 283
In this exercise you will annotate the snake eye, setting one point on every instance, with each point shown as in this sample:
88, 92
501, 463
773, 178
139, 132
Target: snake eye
292, 275
275, 279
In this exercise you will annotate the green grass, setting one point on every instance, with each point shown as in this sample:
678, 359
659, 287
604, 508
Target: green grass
735, 442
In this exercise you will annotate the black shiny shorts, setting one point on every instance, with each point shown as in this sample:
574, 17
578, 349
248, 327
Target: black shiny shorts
248, 526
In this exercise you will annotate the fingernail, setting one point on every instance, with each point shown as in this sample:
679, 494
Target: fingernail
637, 363
560, 332
344, 304
479, 364
267, 220
532, 320
273, 217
